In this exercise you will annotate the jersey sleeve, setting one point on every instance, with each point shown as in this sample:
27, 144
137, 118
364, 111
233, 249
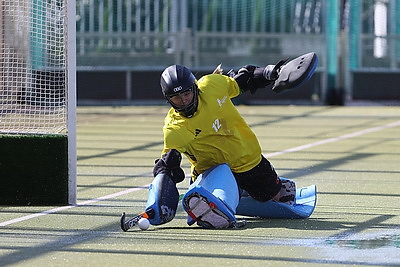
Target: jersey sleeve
233, 89
171, 141
174, 138
220, 82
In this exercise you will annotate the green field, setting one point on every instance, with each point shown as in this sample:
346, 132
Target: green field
351, 153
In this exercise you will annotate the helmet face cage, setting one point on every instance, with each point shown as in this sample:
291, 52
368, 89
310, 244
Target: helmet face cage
176, 80
189, 109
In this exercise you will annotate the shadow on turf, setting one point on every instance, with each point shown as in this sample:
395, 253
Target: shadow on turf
253, 223
70, 238
345, 228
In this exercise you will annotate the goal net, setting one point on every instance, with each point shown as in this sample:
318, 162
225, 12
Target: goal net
37, 79
33, 91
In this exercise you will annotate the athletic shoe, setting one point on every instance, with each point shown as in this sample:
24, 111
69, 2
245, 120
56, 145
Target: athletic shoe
206, 213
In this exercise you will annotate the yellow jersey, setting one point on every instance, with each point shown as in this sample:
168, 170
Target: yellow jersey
216, 133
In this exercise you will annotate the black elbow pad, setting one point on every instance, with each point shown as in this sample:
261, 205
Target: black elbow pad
250, 78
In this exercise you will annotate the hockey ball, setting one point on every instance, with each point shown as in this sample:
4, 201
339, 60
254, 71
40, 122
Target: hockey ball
143, 224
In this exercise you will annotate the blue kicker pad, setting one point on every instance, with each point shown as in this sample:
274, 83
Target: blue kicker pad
305, 201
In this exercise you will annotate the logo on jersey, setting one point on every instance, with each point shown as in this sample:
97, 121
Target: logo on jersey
197, 132
216, 125
221, 101
191, 156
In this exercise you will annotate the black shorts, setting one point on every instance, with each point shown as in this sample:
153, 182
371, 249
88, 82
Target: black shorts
262, 182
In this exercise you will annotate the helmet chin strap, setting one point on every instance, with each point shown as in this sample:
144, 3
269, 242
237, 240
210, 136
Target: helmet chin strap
187, 113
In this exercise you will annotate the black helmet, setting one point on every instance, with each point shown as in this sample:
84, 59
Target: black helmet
177, 79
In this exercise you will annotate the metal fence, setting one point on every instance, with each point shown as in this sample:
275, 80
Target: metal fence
138, 35
151, 34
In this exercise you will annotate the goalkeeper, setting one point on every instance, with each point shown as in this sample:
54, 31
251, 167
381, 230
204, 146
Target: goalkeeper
205, 126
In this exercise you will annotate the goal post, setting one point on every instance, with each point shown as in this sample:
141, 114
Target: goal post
71, 115
37, 102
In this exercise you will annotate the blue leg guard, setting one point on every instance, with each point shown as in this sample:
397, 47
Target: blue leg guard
163, 198
303, 207
212, 199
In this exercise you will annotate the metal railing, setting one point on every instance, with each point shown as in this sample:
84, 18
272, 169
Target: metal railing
151, 34
131, 35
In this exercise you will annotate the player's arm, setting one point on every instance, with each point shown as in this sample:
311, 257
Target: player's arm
170, 164
250, 77
284, 76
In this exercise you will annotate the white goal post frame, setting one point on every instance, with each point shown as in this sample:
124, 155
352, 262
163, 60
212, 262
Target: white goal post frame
71, 115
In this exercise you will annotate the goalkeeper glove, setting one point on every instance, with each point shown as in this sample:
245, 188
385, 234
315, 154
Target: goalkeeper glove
169, 163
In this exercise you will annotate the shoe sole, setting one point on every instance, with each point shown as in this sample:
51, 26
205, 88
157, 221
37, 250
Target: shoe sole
206, 213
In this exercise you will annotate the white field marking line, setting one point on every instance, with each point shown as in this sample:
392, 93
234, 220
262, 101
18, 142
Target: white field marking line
83, 203
290, 150
334, 139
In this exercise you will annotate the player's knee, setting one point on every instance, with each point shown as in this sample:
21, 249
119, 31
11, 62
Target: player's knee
212, 199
